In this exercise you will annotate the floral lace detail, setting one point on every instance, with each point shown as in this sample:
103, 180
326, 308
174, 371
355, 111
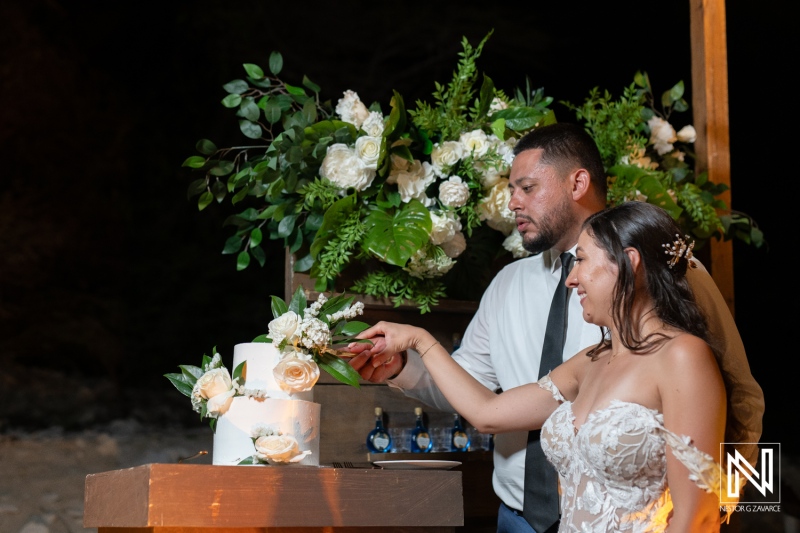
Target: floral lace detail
612, 470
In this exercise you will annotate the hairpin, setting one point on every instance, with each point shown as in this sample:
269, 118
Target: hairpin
677, 249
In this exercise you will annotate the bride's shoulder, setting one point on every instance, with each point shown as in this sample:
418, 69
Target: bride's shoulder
685, 352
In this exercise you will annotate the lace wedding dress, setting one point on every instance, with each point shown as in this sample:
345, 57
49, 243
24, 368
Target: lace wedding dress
612, 470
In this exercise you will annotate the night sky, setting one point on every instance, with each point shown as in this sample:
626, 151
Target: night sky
109, 273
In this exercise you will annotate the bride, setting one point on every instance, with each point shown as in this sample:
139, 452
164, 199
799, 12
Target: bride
634, 424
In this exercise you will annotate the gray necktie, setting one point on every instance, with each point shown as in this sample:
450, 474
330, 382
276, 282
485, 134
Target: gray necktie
540, 505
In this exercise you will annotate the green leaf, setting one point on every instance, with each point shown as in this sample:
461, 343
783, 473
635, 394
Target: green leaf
298, 303
499, 128
334, 217
354, 327
194, 161
486, 97
396, 124
272, 111
205, 199
262, 338
340, 370
278, 306
181, 383
222, 168
258, 253
231, 101
255, 237
204, 146
395, 238
242, 260
254, 71
303, 264
250, 129
233, 245
297, 91
275, 63
249, 110
520, 119
236, 86
286, 225
196, 187
311, 85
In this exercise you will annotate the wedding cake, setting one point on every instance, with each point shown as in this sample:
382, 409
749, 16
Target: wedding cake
265, 409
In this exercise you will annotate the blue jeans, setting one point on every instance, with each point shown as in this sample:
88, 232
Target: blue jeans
511, 521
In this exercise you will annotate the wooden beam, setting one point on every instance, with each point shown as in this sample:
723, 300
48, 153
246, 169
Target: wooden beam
710, 104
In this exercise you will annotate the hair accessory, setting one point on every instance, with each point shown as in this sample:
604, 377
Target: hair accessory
677, 249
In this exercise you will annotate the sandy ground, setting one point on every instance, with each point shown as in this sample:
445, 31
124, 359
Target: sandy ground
43, 473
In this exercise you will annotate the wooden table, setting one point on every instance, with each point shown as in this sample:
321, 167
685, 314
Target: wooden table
181, 498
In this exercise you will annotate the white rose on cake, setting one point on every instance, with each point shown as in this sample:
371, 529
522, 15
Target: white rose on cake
276, 448
284, 327
216, 389
296, 371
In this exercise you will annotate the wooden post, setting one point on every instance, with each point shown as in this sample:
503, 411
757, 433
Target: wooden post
710, 104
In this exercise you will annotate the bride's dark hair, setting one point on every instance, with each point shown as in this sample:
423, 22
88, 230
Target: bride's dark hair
646, 228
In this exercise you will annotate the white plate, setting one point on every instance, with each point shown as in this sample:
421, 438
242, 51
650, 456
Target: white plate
417, 465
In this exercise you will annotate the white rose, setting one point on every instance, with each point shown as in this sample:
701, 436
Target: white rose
493, 208
497, 105
296, 372
513, 244
455, 246
219, 404
216, 387
662, 135
284, 327
443, 227
687, 134
351, 109
279, 449
343, 167
422, 265
373, 125
412, 182
475, 142
445, 155
453, 192
368, 150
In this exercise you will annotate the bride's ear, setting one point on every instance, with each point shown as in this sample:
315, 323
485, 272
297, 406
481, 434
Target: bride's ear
634, 258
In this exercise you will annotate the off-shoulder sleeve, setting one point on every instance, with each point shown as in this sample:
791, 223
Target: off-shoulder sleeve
547, 384
703, 470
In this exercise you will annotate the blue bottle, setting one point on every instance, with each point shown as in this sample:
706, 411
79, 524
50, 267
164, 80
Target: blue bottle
421, 441
379, 440
459, 440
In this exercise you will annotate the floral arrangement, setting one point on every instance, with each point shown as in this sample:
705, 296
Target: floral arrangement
306, 337
414, 202
647, 160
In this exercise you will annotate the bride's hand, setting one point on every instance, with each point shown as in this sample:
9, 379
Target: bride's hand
389, 338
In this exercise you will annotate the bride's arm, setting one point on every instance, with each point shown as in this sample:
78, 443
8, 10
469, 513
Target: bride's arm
521, 408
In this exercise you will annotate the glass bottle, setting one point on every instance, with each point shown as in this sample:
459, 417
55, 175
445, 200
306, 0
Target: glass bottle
459, 440
421, 441
379, 440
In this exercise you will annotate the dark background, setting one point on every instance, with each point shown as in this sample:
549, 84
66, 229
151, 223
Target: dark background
109, 276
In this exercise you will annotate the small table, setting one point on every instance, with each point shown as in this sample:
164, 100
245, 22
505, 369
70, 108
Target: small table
181, 498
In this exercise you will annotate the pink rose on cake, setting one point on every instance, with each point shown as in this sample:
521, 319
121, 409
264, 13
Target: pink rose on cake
296, 371
275, 448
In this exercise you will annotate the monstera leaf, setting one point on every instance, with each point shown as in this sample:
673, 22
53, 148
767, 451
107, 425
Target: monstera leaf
395, 238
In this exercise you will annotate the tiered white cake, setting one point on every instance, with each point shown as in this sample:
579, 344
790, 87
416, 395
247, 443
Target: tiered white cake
292, 414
